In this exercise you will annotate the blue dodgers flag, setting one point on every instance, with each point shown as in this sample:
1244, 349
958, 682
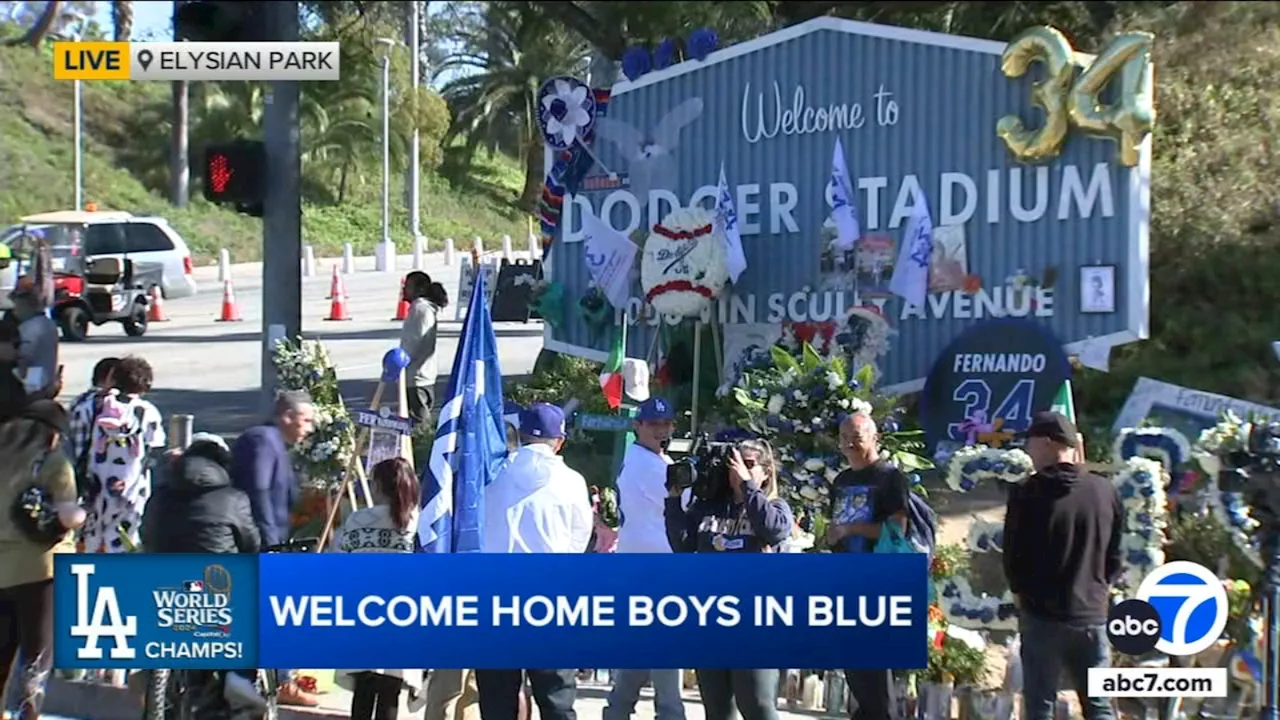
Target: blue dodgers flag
491, 610
197, 612
470, 442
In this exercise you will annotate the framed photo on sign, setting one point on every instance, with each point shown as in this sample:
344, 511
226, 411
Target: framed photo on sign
1097, 289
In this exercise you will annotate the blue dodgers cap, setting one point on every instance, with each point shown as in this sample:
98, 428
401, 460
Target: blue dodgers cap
542, 420
655, 408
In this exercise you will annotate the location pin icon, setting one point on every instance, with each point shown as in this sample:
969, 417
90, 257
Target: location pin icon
144, 58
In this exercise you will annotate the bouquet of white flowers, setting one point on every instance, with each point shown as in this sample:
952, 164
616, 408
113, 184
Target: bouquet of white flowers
798, 403
322, 457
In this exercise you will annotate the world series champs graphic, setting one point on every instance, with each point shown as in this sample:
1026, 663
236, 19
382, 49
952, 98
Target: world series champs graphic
178, 612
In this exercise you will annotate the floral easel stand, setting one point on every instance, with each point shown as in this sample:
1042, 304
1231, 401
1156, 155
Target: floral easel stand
394, 363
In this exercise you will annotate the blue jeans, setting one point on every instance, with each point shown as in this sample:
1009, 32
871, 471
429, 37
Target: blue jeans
1049, 648
667, 703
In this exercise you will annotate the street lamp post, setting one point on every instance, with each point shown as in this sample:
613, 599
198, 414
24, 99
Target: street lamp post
78, 122
415, 145
386, 252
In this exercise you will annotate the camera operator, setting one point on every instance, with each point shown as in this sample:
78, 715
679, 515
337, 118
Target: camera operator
735, 508
641, 495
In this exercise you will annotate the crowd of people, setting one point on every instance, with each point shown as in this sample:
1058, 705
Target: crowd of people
101, 478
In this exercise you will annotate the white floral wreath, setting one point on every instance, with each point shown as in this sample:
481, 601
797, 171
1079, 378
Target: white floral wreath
683, 268
1141, 485
1230, 508
1164, 445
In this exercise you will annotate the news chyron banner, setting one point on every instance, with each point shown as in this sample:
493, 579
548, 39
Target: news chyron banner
490, 611
194, 61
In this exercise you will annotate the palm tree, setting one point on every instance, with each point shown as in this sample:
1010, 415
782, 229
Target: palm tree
122, 19
43, 26
508, 48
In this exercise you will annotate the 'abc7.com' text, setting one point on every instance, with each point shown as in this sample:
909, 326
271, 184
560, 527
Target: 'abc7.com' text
1180, 609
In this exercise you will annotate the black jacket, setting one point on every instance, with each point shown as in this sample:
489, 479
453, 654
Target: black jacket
1062, 533
197, 511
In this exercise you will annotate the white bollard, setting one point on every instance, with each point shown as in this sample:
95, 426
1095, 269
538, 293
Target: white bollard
387, 257
308, 261
506, 248
477, 246
448, 251
419, 250
224, 265
348, 260
535, 248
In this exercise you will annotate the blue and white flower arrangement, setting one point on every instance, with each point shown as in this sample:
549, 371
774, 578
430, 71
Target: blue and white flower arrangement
1141, 485
986, 536
974, 464
1164, 445
967, 609
1229, 435
797, 402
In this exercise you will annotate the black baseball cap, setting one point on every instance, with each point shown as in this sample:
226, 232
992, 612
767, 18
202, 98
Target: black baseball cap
48, 413
1055, 427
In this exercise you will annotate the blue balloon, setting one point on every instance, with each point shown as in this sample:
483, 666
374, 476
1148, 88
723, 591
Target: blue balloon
636, 62
665, 55
702, 42
394, 361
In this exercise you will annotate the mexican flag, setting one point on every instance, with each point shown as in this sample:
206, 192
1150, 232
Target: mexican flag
1064, 403
611, 375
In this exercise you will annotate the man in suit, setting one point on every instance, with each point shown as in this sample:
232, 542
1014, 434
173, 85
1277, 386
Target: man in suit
262, 468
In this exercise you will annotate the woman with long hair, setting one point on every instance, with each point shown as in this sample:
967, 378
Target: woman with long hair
390, 526
418, 338
741, 514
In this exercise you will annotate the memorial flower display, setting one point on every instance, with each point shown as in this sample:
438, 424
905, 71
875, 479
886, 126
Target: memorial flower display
1141, 486
323, 457
972, 464
797, 403
1164, 445
1230, 508
1141, 483
682, 267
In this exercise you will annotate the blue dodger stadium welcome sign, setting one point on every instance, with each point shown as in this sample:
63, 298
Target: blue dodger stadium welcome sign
1062, 241
337, 610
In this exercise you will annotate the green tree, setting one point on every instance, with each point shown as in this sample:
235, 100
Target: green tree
507, 49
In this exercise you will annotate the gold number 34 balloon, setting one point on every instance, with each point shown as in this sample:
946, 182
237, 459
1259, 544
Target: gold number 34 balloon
1070, 100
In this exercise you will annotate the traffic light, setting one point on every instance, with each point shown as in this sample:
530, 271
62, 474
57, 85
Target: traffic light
214, 21
234, 173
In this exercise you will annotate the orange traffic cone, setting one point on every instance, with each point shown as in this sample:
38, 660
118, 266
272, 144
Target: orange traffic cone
402, 308
230, 309
155, 309
338, 308
334, 283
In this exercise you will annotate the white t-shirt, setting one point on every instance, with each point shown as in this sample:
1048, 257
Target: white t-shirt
642, 495
537, 505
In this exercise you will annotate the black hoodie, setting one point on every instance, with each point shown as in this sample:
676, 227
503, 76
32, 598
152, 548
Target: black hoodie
1062, 544
197, 511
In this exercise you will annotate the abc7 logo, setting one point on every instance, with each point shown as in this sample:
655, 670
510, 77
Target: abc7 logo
1194, 604
1134, 627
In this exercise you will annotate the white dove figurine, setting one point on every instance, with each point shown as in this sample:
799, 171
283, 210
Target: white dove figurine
650, 159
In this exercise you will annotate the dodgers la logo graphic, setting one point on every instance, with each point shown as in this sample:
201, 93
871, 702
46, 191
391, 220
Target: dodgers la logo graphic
106, 622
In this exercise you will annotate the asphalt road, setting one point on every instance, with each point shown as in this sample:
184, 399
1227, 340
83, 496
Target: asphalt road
212, 369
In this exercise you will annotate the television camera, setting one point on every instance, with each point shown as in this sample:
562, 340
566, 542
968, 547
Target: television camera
701, 466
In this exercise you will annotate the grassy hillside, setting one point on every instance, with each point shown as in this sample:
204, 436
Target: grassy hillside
126, 133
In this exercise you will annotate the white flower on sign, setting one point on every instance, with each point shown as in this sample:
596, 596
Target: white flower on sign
834, 381
574, 118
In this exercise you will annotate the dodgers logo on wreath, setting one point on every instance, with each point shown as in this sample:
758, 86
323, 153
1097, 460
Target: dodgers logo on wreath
155, 611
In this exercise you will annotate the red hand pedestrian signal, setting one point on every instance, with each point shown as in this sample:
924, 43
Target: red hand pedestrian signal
220, 173
234, 173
